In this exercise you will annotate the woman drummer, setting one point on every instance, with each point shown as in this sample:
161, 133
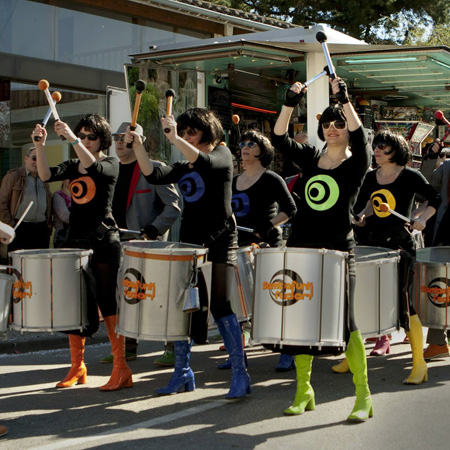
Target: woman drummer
330, 183
261, 202
92, 178
394, 185
205, 182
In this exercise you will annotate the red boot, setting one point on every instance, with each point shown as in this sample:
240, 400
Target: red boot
382, 347
77, 373
121, 373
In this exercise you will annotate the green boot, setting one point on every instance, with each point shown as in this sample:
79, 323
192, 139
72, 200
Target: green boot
304, 397
356, 356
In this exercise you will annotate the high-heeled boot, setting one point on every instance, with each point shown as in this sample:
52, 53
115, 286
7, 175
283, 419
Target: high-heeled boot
304, 396
121, 373
382, 347
183, 376
356, 356
227, 364
342, 367
285, 363
230, 330
419, 372
77, 373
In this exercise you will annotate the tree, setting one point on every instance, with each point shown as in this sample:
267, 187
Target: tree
374, 21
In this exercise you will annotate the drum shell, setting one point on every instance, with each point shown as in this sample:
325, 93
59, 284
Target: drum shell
153, 284
432, 287
242, 290
6, 282
49, 291
315, 317
376, 291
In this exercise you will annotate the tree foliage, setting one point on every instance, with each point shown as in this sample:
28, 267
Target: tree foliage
375, 21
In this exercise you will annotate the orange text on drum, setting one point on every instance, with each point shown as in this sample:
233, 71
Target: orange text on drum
437, 297
20, 288
290, 291
138, 290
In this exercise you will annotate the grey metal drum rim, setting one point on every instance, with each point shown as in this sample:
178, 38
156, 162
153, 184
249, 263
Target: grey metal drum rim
171, 248
49, 253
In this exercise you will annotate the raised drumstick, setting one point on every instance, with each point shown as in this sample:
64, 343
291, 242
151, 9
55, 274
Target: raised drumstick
43, 86
384, 207
170, 94
56, 97
140, 87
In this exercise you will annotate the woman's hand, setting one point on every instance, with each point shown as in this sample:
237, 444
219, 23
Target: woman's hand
169, 125
418, 224
339, 89
293, 96
359, 221
41, 133
62, 129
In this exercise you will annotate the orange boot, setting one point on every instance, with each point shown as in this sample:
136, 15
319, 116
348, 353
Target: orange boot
121, 373
77, 373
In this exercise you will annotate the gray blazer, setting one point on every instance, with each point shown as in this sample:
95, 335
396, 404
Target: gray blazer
151, 204
440, 178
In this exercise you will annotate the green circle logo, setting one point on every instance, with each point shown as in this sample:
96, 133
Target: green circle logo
322, 192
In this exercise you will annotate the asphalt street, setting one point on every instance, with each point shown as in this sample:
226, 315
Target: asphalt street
41, 417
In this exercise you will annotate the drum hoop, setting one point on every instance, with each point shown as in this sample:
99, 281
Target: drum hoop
50, 254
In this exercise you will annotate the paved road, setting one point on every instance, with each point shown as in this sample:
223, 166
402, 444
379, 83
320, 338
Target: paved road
42, 417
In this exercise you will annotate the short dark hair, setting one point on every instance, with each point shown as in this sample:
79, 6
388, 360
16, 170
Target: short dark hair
400, 151
333, 112
98, 125
203, 120
265, 146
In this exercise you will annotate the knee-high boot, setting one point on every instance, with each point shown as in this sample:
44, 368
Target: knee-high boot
230, 330
356, 356
121, 373
419, 370
183, 376
304, 396
77, 373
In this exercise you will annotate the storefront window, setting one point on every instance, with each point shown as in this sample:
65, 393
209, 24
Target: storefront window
85, 37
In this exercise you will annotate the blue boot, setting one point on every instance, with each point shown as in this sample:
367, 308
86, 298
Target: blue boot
286, 363
227, 364
230, 330
183, 376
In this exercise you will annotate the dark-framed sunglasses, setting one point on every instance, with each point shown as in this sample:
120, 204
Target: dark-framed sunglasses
190, 131
380, 145
249, 144
90, 137
337, 124
119, 137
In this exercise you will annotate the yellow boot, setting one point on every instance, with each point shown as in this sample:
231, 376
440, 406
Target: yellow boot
419, 372
342, 367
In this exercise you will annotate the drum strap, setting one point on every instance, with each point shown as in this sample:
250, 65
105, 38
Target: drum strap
228, 225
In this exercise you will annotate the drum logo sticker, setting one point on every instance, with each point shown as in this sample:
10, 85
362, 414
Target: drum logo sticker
21, 289
379, 197
135, 288
286, 288
321, 192
438, 292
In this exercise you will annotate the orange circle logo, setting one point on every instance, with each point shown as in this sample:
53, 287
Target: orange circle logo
83, 190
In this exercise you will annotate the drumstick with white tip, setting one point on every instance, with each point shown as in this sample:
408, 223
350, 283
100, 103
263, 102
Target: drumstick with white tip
384, 207
23, 215
248, 230
126, 231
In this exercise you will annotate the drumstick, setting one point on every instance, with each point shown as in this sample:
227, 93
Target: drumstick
248, 230
322, 38
170, 94
140, 87
43, 86
385, 208
124, 230
56, 97
23, 215
236, 119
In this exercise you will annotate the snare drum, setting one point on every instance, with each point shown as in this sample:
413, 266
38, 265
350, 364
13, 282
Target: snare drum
299, 298
242, 290
153, 286
49, 291
432, 287
6, 282
376, 291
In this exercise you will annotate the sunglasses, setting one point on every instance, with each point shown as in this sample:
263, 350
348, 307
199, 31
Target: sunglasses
190, 131
249, 144
381, 146
337, 124
118, 137
90, 137
34, 158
